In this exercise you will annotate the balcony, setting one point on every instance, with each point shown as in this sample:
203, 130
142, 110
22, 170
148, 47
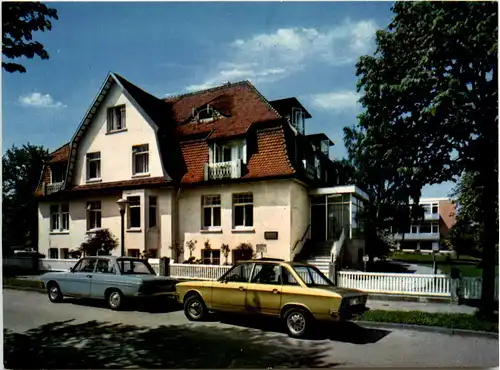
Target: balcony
417, 236
53, 188
223, 170
431, 216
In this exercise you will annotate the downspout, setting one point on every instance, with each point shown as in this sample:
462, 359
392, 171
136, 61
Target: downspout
176, 233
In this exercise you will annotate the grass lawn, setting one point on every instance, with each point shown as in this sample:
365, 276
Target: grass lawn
446, 320
467, 265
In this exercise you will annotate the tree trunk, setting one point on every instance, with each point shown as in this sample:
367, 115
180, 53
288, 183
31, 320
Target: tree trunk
489, 241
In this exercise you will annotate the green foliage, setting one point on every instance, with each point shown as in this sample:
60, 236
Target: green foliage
430, 99
19, 21
191, 244
21, 169
446, 320
100, 243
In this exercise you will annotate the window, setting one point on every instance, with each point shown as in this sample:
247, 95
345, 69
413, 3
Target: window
133, 253
288, 278
210, 256
105, 267
85, 265
94, 215
312, 276
243, 210
266, 274
59, 217
211, 211
56, 174
93, 166
435, 228
134, 212
134, 267
54, 253
116, 118
64, 253
427, 208
426, 245
425, 228
239, 273
140, 159
153, 253
228, 152
324, 147
435, 208
414, 229
222, 153
152, 211
54, 218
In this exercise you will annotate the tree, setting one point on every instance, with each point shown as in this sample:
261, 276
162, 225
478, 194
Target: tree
20, 20
21, 169
101, 243
430, 100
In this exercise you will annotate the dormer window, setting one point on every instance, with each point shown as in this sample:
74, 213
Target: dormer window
297, 119
56, 174
205, 114
227, 152
325, 147
116, 118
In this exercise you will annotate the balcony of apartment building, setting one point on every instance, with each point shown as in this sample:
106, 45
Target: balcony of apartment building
226, 161
425, 231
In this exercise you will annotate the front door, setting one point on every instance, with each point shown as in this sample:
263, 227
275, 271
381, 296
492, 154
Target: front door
229, 293
79, 281
318, 222
264, 290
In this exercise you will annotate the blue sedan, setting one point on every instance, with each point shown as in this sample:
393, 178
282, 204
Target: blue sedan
114, 279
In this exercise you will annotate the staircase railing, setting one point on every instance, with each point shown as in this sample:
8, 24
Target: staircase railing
299, 244
335, 253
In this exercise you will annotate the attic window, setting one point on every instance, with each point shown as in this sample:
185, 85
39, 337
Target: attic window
297, 119
205, 114
116, 118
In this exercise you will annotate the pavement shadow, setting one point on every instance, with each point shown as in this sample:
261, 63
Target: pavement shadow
95, 344
347, 332
164, 305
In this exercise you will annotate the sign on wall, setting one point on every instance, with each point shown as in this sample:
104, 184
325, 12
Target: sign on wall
270, 235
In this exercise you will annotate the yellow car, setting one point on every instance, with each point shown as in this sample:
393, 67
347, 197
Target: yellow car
298, 293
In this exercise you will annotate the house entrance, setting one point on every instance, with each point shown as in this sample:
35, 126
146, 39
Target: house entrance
329, 214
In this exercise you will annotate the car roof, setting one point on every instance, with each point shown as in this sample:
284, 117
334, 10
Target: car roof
274, 261
115, 257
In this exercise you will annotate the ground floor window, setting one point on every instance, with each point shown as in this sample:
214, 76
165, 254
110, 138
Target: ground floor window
133, 253
243, 210
64, 253
153, 253
53, 253
210, 256
426, 245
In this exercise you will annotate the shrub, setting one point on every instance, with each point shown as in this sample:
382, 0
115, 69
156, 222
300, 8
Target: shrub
101, 243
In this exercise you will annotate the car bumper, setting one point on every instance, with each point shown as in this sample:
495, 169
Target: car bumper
347, 313
157, 295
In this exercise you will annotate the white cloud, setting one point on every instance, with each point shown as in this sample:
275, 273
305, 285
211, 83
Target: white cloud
39, 100
337, 101
269, 57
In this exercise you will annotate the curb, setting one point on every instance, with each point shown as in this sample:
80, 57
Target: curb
13, 287
432, 329
419, 299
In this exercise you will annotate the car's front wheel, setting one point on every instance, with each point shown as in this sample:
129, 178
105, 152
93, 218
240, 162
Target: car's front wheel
54, 292
115, 300
195, 309
298, 322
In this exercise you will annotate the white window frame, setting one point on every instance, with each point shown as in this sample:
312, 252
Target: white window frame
207, 201
117, 118
211, 258
90, 158
132, 204
237, 150
138, 151
94, 207
435, 226
62, 218
153, 206
243, 203
63, 253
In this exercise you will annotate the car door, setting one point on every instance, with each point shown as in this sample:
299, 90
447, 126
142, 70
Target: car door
264, 290
78, 282
228, 294
102, 278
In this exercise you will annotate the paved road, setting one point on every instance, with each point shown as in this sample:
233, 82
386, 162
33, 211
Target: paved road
79, 334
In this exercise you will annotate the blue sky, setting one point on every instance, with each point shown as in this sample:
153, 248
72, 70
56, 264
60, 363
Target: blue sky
307, 50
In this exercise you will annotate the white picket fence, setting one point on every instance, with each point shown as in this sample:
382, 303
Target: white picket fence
372, 282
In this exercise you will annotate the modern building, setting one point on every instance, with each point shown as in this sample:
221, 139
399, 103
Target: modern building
439, 218
222, 166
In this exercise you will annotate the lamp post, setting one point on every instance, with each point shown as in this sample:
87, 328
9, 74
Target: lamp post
122, 203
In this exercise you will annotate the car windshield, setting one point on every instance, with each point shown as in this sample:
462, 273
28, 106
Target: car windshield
312, 276
134, 267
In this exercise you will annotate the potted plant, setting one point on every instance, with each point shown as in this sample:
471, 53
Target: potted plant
225, 251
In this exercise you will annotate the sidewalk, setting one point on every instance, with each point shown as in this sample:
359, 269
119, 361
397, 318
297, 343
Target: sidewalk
419, 306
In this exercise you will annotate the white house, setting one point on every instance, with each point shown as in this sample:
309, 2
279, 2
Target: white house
218, 166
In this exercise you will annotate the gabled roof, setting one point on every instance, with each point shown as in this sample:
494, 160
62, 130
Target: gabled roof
240, 103
59, 155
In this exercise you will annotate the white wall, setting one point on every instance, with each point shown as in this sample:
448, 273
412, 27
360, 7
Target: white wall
116, 148
272, 212
301, 209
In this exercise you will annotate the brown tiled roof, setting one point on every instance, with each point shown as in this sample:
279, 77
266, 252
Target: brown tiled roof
60, 155
122, 184
195, 155
241, 104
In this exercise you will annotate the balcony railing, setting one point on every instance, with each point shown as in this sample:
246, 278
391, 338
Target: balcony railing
417, 236
53, 188
223, 170
431, 216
